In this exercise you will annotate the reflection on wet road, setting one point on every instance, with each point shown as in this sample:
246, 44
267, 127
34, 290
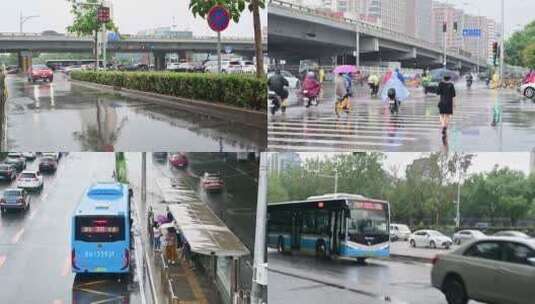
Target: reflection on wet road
370, 126
63, 116
309, 280
35, 264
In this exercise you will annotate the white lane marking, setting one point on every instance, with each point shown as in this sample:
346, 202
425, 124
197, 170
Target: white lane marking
17, 236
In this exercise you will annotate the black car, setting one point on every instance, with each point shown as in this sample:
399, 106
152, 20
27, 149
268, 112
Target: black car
7, 172
48, 164
16, 160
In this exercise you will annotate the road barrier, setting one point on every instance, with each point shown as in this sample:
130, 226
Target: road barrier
3, 99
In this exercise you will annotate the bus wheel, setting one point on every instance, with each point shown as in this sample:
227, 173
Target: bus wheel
280, 245
321, 249
361, 260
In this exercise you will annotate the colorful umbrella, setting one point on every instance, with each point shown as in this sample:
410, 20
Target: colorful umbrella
345, 69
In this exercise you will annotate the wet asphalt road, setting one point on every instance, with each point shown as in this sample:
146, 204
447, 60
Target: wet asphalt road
370, 126
236, 205
68, 117
306, 279
35, 246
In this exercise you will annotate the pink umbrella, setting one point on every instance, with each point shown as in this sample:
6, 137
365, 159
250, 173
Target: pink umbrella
161, 219
344, 69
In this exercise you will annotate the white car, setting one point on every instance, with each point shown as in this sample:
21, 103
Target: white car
490, 270
29, 155
30, 180
55, 155
528, 90
293, 82
430, 239
248, 66
467, 235
172, 66
399, 232
211, 66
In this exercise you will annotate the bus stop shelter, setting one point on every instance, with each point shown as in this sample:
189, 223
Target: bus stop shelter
210, 238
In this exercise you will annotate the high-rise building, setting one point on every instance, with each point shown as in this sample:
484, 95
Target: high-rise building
444, 13
493, 30
419, 19
394, 15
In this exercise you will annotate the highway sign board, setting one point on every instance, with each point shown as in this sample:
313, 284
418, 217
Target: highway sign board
472, 32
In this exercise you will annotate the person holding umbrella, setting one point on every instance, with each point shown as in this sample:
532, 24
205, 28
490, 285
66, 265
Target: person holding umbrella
343, 88
446, 90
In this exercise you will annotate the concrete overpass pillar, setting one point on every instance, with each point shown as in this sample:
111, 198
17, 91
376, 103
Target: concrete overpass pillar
159, 60
25, 60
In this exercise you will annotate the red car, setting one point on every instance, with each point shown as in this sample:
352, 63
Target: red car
40, 72
178, 160
212, 182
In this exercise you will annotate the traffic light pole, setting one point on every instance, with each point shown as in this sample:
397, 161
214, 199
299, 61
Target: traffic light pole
502, 46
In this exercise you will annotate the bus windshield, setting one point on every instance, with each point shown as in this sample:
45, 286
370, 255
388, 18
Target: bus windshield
368, 222
99, 228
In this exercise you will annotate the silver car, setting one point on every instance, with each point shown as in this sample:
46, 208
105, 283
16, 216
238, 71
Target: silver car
493, 270
462, 236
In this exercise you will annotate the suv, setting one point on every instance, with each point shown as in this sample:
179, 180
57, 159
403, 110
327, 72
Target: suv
14, 198
16, 160
7, 172
212, 182
48, 164
30, 180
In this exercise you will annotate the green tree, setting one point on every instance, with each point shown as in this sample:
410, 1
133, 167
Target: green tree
528, 56
517, 43
236, 7
85, 21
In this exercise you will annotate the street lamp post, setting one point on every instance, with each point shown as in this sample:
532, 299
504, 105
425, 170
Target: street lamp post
502, 40
23, 19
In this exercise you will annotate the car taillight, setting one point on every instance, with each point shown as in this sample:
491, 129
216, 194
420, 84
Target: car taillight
126, 259
73, 260
435, 260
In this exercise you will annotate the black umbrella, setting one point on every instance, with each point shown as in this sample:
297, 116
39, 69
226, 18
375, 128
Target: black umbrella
439, 74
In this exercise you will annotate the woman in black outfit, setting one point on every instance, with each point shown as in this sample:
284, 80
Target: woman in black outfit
446, 90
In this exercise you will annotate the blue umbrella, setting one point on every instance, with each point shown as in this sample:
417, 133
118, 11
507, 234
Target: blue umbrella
402, 93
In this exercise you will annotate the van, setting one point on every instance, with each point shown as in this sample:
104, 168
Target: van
399, 232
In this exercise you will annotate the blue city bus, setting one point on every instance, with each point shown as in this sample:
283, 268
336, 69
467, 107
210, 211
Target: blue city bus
336, 225
100, 236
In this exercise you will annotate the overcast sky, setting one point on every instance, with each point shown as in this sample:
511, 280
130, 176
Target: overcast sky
131, 16
483, 162
517, 12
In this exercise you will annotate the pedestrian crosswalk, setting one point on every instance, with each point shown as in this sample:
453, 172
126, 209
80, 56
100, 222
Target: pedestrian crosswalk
375, 130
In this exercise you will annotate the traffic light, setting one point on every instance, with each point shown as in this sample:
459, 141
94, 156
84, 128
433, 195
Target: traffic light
495, 52
455, 27
444, 27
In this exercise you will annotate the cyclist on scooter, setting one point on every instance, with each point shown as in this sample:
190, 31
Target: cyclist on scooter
277, 83
311, 89
373, 82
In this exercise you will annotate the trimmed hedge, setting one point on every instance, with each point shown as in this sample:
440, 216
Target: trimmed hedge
232, 89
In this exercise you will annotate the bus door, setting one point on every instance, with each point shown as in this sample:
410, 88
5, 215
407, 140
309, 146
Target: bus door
297, 224
337, 220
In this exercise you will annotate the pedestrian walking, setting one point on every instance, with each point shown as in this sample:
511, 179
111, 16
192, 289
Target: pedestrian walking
169, 215
171, 252
446, 90
157, 235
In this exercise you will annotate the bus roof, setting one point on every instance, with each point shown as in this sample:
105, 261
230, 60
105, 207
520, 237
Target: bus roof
205, 232
104, 198
330, 198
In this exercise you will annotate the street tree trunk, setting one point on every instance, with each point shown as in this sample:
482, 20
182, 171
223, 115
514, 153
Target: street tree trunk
95, 52
258, 40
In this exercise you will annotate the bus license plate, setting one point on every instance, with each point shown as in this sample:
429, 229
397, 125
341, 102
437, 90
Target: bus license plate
100, 269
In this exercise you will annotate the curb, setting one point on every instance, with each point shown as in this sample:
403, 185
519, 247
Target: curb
251, 118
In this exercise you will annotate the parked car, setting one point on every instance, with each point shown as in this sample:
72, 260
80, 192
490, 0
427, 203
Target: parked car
467, 235
528, 90
136, 67
491, 270
17, 160
172, 66
429, 238
212, 182
211, 66
248, 66
48, 164
29, 155
30, 180
40, 72
7, 172
234, 66
12, 69
512, 233
14, 198
178, 160
399, 232
71, 68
